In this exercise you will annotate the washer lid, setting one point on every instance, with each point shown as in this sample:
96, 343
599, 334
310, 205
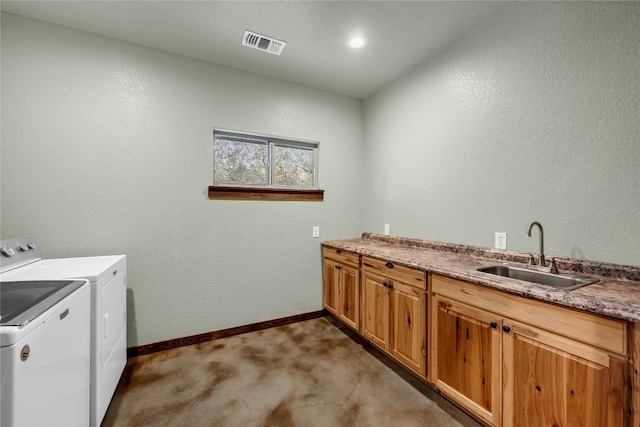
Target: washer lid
91, 268
21, 302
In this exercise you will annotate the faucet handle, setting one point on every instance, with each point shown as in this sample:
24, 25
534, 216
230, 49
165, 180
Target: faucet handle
553, 267
531, 260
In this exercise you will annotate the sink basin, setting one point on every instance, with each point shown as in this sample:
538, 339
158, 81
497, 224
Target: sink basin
558, 281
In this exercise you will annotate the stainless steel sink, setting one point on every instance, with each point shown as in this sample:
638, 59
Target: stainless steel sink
559, 281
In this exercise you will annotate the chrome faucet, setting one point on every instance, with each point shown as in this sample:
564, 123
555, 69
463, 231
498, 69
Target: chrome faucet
541, 260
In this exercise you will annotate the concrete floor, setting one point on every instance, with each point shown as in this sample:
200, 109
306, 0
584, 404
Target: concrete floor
304, 374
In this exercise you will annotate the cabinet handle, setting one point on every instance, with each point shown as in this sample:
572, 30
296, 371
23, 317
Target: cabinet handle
390, 265
494, 325
338, 267
338, 251
390, 286
506, 329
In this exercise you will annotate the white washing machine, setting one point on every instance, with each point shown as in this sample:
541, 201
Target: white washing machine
107, 279
44, 353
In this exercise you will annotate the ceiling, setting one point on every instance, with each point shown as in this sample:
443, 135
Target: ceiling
400, 34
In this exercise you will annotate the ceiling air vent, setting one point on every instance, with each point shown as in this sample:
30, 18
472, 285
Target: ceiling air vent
267, 44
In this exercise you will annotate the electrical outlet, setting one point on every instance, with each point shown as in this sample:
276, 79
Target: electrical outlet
316, 231
501, 240
386, 229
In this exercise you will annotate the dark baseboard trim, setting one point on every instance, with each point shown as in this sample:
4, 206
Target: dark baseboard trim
223, 333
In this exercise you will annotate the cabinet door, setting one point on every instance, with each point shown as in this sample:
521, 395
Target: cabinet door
554, 381
330, 286
468, 350
375, 300
408, 320
349, 296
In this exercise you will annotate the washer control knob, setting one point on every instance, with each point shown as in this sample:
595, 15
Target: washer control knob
31, 245
6, 251
23, 248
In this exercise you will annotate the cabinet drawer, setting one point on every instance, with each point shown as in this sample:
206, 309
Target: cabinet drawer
394, 271
342, 256
604, 332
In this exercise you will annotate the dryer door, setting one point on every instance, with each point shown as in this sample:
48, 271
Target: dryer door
110, 340
114, 317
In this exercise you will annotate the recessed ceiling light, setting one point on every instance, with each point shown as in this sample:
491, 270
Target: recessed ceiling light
357, 42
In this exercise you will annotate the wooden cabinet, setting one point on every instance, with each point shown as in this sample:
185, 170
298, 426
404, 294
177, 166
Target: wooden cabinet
394, 319
553, 366
466, 357
341, 290
551, 380
507, 360
376, 304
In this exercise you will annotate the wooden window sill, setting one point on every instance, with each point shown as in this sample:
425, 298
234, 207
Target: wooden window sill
256, 193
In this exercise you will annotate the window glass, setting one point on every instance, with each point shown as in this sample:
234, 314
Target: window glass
255, 161
240, 162
293, 166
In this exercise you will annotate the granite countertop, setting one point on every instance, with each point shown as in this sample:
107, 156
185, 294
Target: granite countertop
616, 294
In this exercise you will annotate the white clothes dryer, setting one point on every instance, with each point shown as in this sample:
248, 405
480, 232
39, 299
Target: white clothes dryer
107, 276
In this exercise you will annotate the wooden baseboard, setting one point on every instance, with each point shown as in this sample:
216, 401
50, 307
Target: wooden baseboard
223, 333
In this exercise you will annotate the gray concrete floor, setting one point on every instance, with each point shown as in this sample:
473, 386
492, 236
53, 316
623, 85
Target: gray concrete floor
304, 374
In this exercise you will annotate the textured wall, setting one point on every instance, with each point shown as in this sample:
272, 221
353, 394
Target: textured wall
106, 148
535, 116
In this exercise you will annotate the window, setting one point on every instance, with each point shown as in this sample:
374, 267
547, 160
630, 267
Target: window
244, 164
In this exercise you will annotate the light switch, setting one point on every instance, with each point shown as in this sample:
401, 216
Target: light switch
316, 231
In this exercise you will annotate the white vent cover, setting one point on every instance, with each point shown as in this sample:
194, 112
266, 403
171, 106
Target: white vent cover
267, 44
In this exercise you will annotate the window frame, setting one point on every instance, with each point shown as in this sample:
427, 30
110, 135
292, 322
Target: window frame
270, 191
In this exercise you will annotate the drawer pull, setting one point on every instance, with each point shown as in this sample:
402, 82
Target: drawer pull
493, 325
390, 265
506, 329
338, 251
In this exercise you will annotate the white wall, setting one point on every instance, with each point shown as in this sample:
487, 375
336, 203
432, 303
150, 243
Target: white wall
536, 116
106, 148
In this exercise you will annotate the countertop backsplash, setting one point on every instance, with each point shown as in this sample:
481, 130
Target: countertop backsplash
602, 269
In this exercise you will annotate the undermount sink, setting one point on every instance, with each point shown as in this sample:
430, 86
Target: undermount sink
559, 281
